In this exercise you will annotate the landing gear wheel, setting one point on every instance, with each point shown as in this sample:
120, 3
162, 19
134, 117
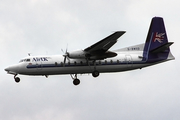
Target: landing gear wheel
95, 73
76, 82
17, 79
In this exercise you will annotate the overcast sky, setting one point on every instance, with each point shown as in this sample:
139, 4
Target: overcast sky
42, 27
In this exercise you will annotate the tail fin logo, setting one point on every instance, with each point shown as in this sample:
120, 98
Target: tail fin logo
159, 37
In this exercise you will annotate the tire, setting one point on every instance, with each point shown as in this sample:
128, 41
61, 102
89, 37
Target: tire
95, 73
17, 79
76, 82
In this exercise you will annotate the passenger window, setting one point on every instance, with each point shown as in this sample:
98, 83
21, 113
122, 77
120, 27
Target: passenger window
111, 61
99, 62
117, 61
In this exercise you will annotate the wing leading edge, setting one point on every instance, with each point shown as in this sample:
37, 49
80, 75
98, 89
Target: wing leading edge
105, 43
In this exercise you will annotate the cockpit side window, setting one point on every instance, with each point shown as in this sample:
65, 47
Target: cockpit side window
25, 60
21, 61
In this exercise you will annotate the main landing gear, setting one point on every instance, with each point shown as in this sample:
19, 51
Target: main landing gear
95, 73
17, 79
76, 81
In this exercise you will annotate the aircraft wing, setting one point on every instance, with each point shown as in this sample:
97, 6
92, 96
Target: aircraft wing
103, 45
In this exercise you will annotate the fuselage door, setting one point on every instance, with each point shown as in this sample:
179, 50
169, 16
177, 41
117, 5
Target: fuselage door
129, 60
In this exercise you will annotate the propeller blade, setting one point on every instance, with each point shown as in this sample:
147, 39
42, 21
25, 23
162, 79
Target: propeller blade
67, 48
62, 50
66, 54
65, 59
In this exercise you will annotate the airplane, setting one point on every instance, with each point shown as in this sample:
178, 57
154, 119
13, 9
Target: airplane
98, 58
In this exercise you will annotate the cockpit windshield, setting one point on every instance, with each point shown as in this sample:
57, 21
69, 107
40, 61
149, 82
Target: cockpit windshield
25, 60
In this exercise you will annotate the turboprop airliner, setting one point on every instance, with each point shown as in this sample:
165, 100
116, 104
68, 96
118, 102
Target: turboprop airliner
98, 58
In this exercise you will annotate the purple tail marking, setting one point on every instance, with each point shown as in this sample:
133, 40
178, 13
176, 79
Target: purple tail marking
156, 38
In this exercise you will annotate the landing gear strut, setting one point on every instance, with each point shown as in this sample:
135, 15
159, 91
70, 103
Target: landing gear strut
95, 73
76, 81
17, 79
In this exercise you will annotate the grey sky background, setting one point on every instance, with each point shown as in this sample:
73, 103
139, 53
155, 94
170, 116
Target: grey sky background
42, 27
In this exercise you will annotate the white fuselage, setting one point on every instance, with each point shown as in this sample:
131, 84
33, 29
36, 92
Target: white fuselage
127, 59
52, 65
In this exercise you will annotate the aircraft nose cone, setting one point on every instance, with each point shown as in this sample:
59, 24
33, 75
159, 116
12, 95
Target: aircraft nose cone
6, 69
12, 69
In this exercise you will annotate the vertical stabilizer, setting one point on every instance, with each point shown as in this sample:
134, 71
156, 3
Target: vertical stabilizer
157, 46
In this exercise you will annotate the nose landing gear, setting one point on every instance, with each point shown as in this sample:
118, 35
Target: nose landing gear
17, 79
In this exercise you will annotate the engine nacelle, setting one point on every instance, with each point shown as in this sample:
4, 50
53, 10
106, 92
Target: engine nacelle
79, 54
107, 54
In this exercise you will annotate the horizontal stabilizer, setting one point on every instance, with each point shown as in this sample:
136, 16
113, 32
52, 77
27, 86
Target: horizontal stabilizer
162, 48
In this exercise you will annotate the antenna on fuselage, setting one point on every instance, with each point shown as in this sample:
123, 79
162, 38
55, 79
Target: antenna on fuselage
29, 54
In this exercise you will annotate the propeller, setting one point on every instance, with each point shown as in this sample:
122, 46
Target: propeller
66, 55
